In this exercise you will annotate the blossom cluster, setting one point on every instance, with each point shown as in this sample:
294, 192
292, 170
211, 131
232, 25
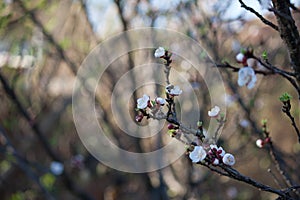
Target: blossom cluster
145, 102
215, 155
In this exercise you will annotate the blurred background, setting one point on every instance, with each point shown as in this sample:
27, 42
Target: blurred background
42, 45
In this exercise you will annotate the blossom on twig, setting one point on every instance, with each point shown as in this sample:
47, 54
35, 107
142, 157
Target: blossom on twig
160, 101
240, 57
198, 154
260, 143
247, 77
160, 52
142, 102
228, 159
214, 112
173, 90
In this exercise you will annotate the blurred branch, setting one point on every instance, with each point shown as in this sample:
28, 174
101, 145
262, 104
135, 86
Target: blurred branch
34, 126
264, 20
278, 161
11, 93
161, 189
49, 37
241, 102
22, 163
84, 7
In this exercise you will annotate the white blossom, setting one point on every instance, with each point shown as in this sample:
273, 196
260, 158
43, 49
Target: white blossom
142, 102
198, 154
247, 77
260, 143
240, 57
160, 101
214, 112
228, 159
159, 52
173, 90
56, 168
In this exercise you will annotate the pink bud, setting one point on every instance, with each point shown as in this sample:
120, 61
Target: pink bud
171, 126
267, 140
139, 118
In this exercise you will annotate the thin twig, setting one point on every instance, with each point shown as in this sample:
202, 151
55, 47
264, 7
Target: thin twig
293, 7
274, 178
240, 177
264, 20
286, 108
278, 165
285, 74
236, 69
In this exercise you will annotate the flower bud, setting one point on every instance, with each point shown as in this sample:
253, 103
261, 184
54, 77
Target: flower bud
139, 118
228, 159
171, 126
260, 143
267, 140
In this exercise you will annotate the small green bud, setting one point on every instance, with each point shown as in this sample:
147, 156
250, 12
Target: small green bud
285, 97
264, 122
172, 132
199, 123
243, 51
264, 55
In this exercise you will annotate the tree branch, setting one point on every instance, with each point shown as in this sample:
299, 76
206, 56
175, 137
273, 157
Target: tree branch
288, 33
264, 20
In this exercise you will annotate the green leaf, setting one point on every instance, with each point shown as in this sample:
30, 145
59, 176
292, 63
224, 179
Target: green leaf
172, 132
243, 51
264, 121
199, 123
285, 97
153, 102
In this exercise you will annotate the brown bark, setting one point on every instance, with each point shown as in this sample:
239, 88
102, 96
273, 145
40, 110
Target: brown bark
288, 32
